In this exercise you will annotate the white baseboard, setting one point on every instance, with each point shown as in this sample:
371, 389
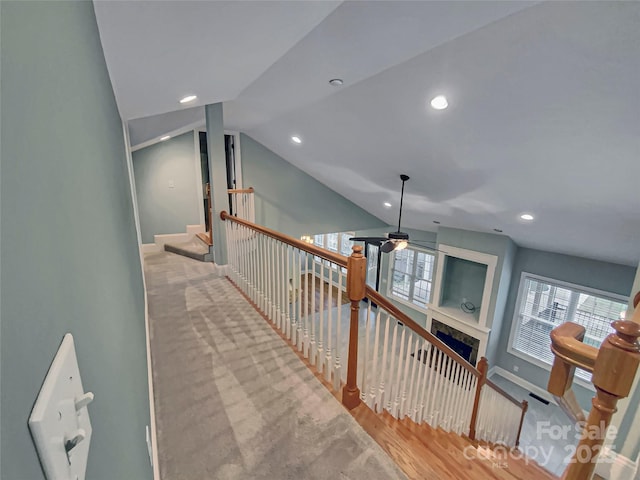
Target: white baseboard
613, 466
522, 383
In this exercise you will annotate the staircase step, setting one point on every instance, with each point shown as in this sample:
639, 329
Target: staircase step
195, 249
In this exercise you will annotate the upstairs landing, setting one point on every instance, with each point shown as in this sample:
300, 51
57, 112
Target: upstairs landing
232, 399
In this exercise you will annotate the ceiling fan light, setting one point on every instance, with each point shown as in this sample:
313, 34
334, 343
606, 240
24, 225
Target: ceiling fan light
401, 245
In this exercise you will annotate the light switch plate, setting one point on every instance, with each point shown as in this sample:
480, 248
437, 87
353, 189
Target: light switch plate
59, 421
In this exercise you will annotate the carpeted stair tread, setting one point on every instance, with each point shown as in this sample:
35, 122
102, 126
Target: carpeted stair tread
195, 249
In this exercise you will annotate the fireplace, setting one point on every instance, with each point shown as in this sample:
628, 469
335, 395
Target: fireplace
463, 344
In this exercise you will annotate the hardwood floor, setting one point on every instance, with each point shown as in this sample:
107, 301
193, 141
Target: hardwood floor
425, 453
324, 286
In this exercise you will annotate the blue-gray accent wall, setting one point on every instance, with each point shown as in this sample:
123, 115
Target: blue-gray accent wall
291, 201
604, 276
169, 195
69, 253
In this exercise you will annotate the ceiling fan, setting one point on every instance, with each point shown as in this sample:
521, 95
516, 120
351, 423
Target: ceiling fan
394, 240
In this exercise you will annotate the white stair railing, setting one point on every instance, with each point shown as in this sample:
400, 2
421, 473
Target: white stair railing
242, 203
407, 375
499, 416
399, 367
282, 279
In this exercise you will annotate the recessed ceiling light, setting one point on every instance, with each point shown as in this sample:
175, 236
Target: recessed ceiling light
387, 204
336, 82
166, 137
188, 98
439, 102
526, 216
296, 139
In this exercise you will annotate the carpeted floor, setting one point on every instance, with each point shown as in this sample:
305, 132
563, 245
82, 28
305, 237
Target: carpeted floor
233, 401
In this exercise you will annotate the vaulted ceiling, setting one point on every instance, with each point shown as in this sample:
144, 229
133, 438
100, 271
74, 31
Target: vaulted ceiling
543, 117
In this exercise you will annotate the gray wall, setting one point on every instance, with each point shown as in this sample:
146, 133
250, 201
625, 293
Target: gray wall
69, 252
164, 209
582, 271
292, 202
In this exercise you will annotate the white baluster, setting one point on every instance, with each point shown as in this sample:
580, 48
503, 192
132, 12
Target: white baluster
264, 277
281, 285
305, 339
387, 398
454, 395
268, 283
365, 358
374, 382
437, 391
419, 358
328, 350
407, 407
405, 377
425, 382
274, 283
433, 356
395, 399
290, 292
312, 347
446, 393
320, 345
383, 366
337, 369
446, 388
300, 311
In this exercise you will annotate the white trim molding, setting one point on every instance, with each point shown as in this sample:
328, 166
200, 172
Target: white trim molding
490, 261
613, 466
521, 382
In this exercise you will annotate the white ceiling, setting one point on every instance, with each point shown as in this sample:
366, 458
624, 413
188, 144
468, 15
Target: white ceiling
544, 112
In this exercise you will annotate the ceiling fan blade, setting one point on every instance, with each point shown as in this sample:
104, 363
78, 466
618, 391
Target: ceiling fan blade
368, 239
387, 247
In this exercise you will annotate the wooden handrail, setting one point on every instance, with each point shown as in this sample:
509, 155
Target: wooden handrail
386, 304
513, 400
525, 407
566, 343
240, 190
570, 352
336, 258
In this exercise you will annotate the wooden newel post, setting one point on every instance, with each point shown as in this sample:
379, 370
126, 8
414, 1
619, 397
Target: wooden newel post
613, 375
356, 286
483, 368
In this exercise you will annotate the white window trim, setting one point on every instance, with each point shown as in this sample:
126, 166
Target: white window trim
391, 296
319, 260
515, 323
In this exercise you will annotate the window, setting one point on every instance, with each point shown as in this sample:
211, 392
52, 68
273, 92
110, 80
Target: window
372, 265
335, 242
346, 244
544, 303
412, 276
332, 241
